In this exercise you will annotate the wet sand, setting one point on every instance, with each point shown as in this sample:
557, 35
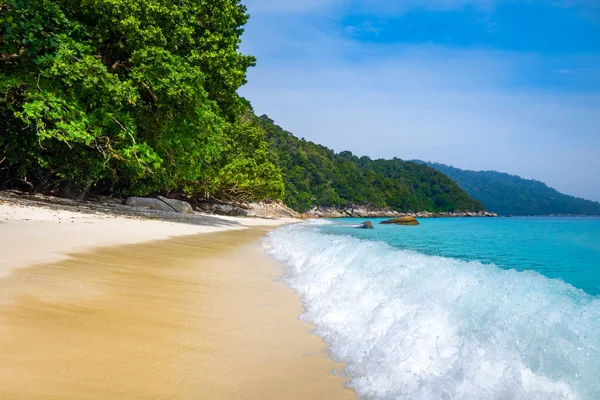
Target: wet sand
193, 317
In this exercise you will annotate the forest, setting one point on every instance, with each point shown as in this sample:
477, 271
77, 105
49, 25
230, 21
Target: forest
134, 97
140, 98
314, 174
512, 195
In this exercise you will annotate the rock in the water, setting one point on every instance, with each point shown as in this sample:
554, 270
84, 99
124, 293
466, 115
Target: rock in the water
401, 221
178, 205
147, 202
366, 225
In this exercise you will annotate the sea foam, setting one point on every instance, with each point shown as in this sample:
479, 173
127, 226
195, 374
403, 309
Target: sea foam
411, 326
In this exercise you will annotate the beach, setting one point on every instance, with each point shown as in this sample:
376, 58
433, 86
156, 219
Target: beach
97, 306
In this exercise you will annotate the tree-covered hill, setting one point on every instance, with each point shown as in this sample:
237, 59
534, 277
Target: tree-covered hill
512, 195
315, 175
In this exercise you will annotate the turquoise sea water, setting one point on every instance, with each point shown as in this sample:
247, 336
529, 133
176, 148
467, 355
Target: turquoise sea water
468, 308
557, 247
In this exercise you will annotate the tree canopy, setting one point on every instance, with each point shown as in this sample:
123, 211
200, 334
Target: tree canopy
136, 95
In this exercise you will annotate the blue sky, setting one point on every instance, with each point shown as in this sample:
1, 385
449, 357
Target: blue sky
478, 84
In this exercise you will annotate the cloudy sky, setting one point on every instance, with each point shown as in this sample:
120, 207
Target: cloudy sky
509, 85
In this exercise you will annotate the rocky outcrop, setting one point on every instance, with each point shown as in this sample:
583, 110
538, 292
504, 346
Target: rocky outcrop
178, 205
276, 209
372, 212
401, 221
151, 203
366, 225
224, 209
350, 212
265, 209
161, 204
271, 209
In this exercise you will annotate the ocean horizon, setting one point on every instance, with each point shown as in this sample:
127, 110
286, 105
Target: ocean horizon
461, 308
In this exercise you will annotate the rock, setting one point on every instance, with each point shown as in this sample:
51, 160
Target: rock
238, 212
223, 209
366, 225
367, 211
401, 221
360, 212
147, 202
161, 204
178, 205
271, 209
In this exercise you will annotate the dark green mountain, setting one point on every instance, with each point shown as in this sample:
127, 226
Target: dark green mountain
315, 175
512, 195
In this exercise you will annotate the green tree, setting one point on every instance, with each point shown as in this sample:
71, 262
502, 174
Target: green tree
138, 96
243, 171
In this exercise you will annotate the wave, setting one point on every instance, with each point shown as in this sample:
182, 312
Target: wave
412, 326
318, 221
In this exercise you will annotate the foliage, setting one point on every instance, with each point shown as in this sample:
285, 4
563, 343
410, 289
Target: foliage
512, 195
315, 175
138, 96
244, 170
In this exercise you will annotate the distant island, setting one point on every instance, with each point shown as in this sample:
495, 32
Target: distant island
508, 194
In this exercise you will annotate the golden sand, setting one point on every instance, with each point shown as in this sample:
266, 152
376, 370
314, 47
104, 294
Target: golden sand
196, 317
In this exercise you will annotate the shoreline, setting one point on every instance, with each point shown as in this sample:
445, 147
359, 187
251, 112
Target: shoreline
198, 315
58, 230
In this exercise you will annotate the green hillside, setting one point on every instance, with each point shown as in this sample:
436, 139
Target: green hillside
315, 175
512, 195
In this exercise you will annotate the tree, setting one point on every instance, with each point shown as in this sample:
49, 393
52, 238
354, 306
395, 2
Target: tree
137, 96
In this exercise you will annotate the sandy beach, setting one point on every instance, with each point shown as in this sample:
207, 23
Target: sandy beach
102, 307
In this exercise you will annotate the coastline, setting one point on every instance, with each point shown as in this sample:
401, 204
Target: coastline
198, 315
353, 211
57, 229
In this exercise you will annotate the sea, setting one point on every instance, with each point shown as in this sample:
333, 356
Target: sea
457, 308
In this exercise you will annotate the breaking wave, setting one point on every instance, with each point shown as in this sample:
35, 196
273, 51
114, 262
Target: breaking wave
412, 326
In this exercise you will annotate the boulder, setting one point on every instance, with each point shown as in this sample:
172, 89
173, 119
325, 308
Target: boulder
401, 221
360, 212
366, 225
147, 202
178, 205
238, 212
272, 209
223, 209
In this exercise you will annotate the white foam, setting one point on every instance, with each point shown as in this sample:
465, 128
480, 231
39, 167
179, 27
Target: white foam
318, 221
411, 326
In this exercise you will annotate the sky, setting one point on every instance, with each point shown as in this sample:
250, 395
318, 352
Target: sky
506, 85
